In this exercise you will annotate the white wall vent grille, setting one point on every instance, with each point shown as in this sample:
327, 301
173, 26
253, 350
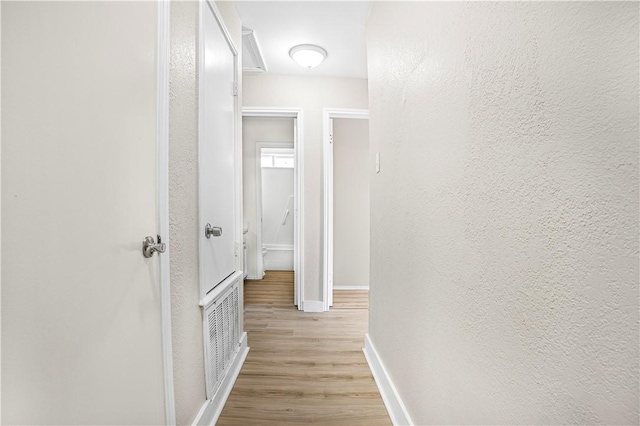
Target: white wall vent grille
252, 60
222, 335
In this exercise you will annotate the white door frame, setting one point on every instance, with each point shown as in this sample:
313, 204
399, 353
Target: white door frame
162, 170
298, 147
327, 144
237, 178
258, 179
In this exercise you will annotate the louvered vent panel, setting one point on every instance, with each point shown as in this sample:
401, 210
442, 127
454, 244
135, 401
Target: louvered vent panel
222, 322
226, 338
235, 315
213, 350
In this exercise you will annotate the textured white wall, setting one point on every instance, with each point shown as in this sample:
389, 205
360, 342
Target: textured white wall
257, 130
351, 166
312, 94
186, 316
504, 240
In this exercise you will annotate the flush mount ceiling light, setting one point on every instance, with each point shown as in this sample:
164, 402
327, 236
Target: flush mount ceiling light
308, 55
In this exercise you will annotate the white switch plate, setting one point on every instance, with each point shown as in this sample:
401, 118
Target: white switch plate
377, 162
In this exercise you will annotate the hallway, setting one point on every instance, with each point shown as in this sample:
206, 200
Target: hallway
302, 367
497, 207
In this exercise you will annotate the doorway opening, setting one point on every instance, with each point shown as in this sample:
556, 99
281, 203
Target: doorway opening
275, 205
346, 201
272, 176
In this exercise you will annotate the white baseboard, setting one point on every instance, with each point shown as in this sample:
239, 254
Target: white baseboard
198, 418
254, 278
312, 306
350, 287
211, 409
395, 407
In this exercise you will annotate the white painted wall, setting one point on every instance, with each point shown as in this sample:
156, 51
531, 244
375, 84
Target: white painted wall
504, 229
312, 94
351, 167
81, 321
257, 130
186, 317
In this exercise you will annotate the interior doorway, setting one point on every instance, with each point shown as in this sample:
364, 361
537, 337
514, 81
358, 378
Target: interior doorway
275, 183
346, 201
272, 173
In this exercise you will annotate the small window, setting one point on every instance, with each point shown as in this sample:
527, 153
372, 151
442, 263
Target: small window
281, 161
277, 158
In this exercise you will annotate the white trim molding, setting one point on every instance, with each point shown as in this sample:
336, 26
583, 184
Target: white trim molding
351, 287
298, 147
252, 49
392, 401
220, 288
0, 222
253, 278
212, 408
200, 414
271, 112
328, 114
162, 158
313, 306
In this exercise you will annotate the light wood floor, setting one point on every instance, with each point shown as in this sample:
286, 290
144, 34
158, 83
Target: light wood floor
303, 367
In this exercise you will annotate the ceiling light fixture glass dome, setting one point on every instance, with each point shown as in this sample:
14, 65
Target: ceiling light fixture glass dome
308, 55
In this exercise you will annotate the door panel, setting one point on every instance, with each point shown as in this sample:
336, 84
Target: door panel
217, 154
81, 329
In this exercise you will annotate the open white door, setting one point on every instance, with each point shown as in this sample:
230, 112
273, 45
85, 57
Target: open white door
81, 305
218, 93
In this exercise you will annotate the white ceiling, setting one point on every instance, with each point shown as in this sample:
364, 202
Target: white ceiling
336, 26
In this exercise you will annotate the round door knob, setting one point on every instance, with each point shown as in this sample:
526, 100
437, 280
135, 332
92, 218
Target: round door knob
209, 230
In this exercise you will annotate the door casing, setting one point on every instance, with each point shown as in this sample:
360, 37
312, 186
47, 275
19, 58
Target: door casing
298, 147
259, 244
328, 114
162, 158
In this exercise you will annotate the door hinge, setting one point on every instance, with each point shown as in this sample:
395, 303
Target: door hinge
237, 249
234, 89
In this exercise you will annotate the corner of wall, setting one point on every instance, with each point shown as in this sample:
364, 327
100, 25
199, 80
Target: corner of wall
186, 316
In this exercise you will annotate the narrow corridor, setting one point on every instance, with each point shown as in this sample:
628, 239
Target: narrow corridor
303, 367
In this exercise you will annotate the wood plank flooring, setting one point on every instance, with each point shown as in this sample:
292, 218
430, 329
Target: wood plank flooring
303, 367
